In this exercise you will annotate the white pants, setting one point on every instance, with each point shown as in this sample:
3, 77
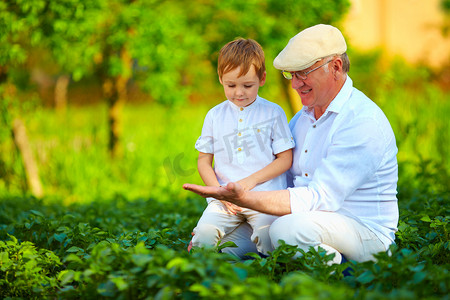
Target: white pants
241, 237
333, 232
216, 222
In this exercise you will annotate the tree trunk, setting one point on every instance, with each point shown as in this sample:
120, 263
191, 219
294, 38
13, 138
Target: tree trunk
61, 93
295, 103
115, 90
29, 164
19, 136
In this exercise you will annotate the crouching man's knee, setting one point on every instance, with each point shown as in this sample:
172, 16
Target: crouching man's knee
294, 229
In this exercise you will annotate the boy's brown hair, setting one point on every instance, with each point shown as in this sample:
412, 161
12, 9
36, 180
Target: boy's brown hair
241, 53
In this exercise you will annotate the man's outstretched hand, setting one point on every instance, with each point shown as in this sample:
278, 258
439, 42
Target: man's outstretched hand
232, 192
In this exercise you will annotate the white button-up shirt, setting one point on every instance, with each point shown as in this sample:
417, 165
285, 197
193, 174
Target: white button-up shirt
245, 139
346, 162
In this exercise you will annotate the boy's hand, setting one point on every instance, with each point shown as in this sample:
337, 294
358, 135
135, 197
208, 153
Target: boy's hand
232, 208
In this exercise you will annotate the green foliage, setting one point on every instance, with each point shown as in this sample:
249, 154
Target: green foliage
445, 4
126, 262
18, 21
398, 275
70, 30
26, 271
171, 50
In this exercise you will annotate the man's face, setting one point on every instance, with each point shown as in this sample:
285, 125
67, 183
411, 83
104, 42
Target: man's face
315, 91
242, 91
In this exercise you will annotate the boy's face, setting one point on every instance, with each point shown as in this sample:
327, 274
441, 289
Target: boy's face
242, 91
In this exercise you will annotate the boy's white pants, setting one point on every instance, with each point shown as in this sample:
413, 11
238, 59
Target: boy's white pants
217, 222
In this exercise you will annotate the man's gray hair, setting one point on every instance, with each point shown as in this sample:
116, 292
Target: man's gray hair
345, 62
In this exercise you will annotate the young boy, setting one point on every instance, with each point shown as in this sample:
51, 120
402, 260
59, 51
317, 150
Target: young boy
250, 142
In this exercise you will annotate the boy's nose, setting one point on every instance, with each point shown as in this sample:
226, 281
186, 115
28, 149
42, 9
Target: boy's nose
239, 92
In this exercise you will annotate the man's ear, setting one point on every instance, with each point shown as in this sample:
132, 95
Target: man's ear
263, 79
337, 64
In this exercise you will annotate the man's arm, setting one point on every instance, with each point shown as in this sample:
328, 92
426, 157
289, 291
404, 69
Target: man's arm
278, 166
269, 202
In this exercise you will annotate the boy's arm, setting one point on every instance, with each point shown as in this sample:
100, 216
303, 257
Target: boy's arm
204, 165
278, 166
205, 169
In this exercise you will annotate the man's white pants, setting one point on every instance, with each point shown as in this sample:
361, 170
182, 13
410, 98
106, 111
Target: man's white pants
333, 232
217, 222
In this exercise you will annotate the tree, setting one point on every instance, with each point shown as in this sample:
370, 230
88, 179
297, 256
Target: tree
115, 40
26, 25
270, 22
18, 23
143, 40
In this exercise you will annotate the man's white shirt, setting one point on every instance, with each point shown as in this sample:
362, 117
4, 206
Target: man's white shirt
346, 162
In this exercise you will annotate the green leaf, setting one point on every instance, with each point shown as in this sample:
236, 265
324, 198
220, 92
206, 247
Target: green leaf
107, 289
60, 237
419, 277
425, 219
65, 276
365, 277
242, 273
38, 213
74, 249
226, 244
141, 259
176, 262
120, 283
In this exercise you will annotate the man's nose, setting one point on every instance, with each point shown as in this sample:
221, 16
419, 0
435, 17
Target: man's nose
297, 83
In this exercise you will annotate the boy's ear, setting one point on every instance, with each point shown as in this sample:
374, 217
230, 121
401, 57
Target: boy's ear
263, 79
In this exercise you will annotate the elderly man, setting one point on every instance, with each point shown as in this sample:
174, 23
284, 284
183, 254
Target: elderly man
344, 171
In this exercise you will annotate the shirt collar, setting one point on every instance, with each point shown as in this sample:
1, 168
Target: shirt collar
342, 97
245, 108
338, 102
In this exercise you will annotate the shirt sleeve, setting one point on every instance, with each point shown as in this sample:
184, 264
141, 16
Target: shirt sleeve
355, 153
282, 139
205, 143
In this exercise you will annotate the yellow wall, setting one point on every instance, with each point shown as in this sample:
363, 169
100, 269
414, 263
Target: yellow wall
410, 28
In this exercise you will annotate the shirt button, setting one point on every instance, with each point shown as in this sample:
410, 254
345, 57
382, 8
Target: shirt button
239, 134
241, 109
239, 149
314, 126
259, 130
306, 151
240, 120
306, 174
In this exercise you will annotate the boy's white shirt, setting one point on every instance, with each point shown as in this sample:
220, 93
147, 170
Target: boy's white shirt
244, 140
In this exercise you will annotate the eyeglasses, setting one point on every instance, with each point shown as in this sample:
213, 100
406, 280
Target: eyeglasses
299, 74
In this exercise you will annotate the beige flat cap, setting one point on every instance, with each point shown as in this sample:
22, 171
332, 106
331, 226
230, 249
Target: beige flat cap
309, 46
